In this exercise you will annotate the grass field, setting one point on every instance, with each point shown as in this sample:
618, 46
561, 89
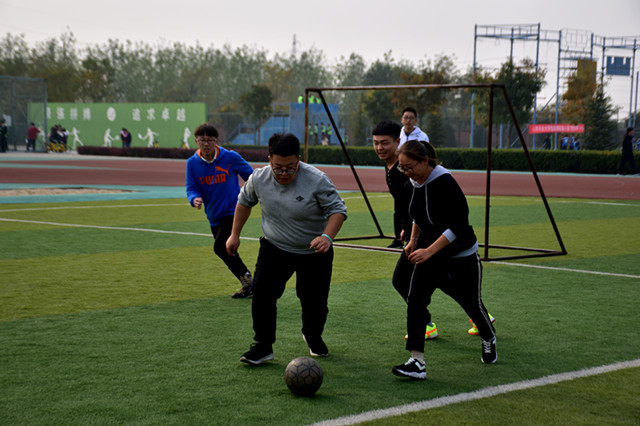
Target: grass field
117, 312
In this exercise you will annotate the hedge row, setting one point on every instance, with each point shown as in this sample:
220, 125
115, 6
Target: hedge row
600, 162
136, 152
595, 162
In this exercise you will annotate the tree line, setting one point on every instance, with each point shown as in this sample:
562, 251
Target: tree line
249, 81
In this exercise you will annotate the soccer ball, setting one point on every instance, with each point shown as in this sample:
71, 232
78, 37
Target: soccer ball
303, 376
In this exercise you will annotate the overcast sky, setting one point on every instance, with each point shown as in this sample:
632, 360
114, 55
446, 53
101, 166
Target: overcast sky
412, 30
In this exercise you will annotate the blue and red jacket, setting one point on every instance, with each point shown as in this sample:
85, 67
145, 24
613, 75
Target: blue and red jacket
216, 182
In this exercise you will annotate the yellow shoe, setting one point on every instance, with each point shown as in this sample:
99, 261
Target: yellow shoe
474, 330
430, 334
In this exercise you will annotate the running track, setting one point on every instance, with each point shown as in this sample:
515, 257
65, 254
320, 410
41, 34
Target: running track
69, 169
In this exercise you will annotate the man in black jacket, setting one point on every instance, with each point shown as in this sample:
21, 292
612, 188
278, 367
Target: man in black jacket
386, 139
627, 153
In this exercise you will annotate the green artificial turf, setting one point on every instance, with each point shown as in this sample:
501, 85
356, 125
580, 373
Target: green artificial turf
104, 325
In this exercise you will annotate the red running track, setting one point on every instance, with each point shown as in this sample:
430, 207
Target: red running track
81, 170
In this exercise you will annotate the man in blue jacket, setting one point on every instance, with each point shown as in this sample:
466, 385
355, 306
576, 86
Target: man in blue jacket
212, 182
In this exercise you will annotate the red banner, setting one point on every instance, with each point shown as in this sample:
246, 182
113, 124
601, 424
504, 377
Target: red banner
556, 128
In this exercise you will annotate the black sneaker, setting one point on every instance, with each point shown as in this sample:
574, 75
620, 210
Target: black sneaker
396, 244
317, 347
412, 368
489, 353
247, 287
257, 354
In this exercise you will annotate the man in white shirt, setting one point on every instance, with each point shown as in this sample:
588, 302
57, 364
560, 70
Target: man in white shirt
409, 130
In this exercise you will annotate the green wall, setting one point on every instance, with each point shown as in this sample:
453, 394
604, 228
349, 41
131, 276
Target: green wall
97, 124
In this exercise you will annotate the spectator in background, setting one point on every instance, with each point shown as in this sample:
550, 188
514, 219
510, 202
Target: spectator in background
4, 134
125, 137
54, 138
323, 134
546, 144
627, 153
64, 135
572, 144
409, 130
576, 144
32, 136
565, 143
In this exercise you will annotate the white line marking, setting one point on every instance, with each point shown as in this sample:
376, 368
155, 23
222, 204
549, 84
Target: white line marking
185, 204
554, 268
92, 207
337, 245
116, 228
479, 394
603, 203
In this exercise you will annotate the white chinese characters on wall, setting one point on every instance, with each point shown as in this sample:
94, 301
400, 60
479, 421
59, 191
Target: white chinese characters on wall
147, 116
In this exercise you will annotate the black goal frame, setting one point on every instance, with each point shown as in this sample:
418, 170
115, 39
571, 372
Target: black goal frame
529, 252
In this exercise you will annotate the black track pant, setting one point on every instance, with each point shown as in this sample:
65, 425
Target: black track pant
627, 157
313, 278
461, 279
221, 233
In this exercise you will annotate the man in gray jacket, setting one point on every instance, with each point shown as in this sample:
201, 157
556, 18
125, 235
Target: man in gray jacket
301, 214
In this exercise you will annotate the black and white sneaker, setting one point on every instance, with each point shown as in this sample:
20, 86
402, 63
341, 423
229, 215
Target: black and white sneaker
257, 354
412, 368
489, 352
247, 287
317, 347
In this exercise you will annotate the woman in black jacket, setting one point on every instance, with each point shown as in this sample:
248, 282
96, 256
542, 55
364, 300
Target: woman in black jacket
443, 249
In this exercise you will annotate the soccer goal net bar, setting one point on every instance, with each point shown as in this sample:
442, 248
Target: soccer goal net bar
489, 92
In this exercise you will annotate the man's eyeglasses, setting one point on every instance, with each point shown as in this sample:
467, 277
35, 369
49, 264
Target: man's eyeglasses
206, 140
289, 171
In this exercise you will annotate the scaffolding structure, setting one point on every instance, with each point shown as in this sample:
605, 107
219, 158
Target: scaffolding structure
573, 46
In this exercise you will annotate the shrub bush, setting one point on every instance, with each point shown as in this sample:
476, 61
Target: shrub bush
601, 162
137, 152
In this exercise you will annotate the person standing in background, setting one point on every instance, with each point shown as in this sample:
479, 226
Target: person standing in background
627, 153
410, 132
32, 135
4, 133
125, 137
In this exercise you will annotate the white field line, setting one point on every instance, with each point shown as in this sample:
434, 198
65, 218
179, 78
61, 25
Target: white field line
479, 394
116, 228
338, 245
185, 204
606, 203
31, 209
553, 268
